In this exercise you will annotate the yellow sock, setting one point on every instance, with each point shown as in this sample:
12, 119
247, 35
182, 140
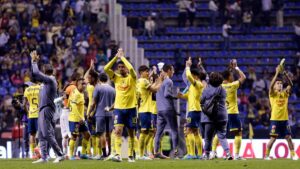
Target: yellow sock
215, 143
237, 144
71, 147
94, 145
292, 153
84, 146
98, 146
191, 139
268, 152
136, 146
142, 143
118, 144
131, 145
112, 141
150, 146
198, 142
32, 145
88, 147
188, 145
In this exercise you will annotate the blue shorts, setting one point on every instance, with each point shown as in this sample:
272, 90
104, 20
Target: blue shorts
145, 120
76, 128
193, 119
92, 125
280, 128
234, 122
126, 118
154, 121
32, 125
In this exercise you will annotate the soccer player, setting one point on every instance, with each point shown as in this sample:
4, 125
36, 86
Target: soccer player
195, 78
125, 102
103, 97
145, 89
76, 119
234, 122
46, 110
91, 78
64, 117
279, 114
166, 112
31, 96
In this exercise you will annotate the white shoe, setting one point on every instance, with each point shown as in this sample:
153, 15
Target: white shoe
267, 158
295, 158
40, 161
59, 159
145, 158
116, 158
237, 157
110, 157
131, 159
213, 155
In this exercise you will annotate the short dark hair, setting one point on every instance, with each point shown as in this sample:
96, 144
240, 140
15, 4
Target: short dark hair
226, 74
202, 76
103, 77
143, 68
48, 68
167, 67
93, 74
215, 79
279, 79
74, 76
120, 63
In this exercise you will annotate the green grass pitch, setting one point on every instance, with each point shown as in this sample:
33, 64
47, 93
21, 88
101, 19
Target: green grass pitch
155, 164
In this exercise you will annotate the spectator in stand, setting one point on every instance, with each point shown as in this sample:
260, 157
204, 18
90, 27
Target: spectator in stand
17, 79
82, 46
192, 8
4, 37
150, 27
183, 12
297, 36
102, 19
247, 21
94, 9
266, 8
226, 35
79, 11
278, 7
234, 12
213, 8
161, 27
259, 86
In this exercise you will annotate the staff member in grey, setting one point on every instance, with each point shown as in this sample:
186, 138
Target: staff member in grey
166, 112
216, 123
46, 110
103, 97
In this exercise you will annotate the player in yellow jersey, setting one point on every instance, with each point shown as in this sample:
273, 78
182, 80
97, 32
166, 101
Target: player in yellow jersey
234, 122
125, 102
197, 83
76, 119
145, 90
279, 115
91, 78
31, 96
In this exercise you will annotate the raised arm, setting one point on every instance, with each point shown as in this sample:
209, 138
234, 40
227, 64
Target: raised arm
35, 69
156, 85
127, 64
108, 67
271, 89
290, 83
242, 76
88, 71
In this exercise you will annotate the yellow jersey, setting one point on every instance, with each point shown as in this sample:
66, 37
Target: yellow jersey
231, 97
279, 106
90, 91
76, 102
145, 95
194, 93
125, 92
32, 94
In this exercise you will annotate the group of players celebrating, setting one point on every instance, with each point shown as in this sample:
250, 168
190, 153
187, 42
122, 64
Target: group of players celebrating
142, 105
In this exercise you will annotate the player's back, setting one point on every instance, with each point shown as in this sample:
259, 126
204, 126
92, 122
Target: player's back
90, 90
231, 96
32, 93
104, 95
194, 95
